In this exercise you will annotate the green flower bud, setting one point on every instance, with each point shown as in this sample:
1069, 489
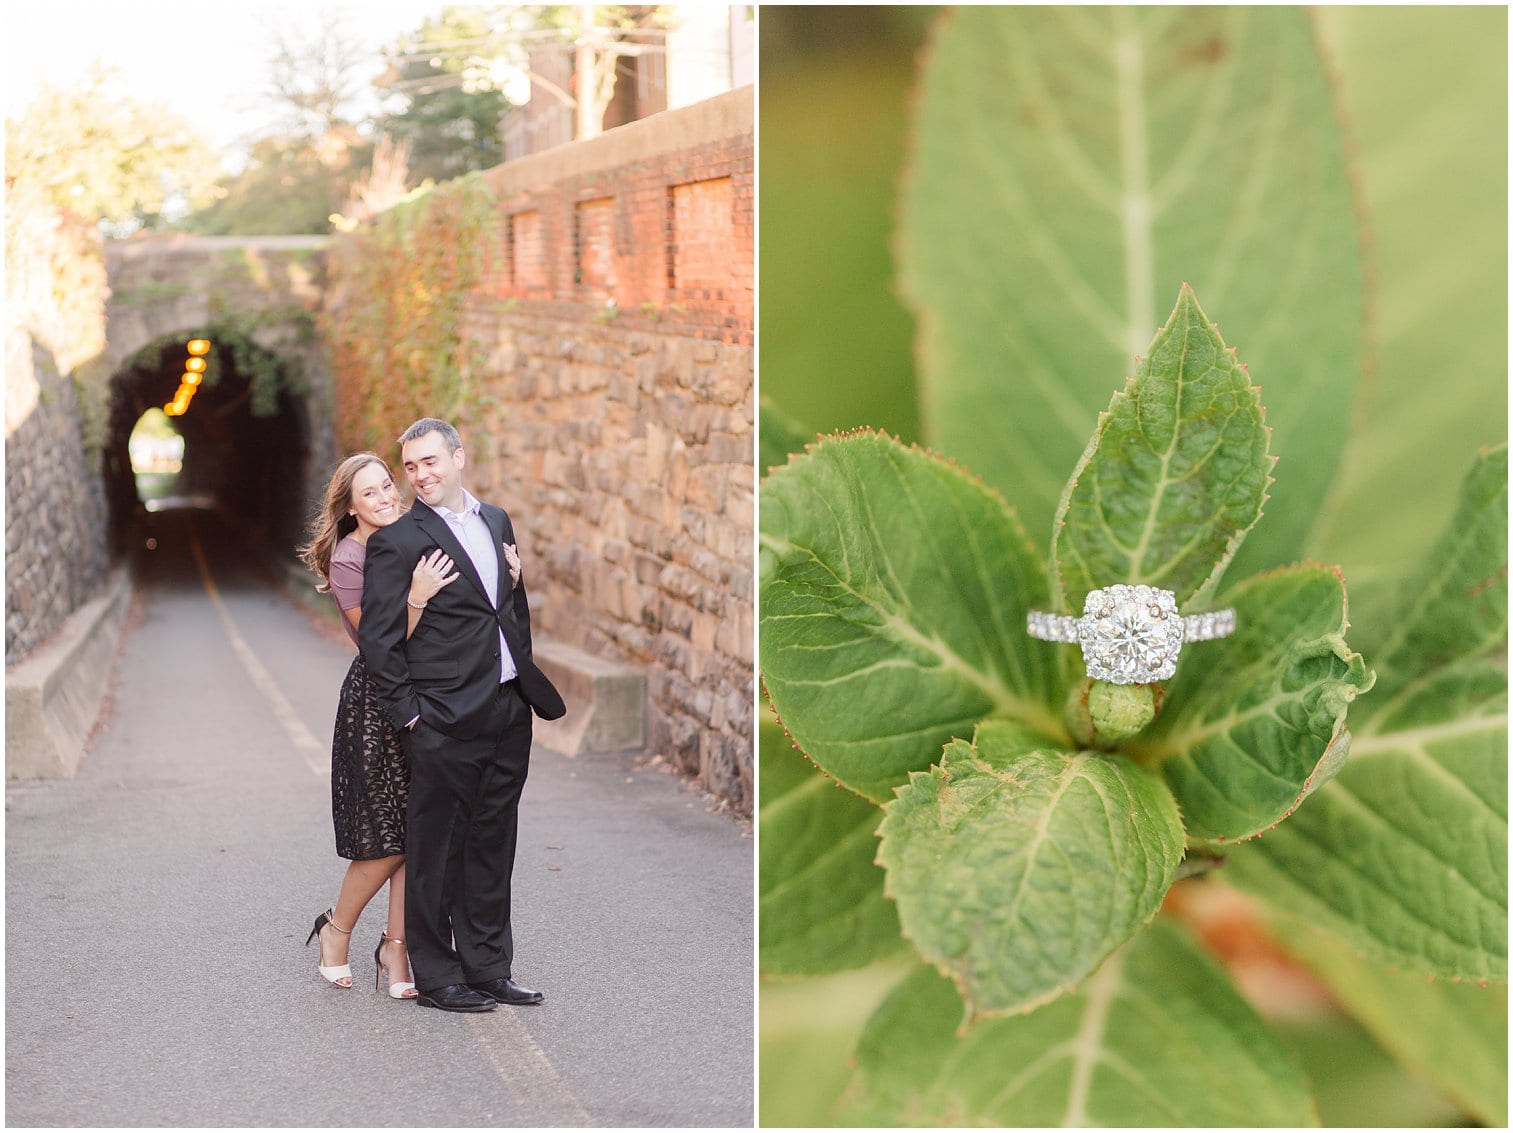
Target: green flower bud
1100, 714
1121, 711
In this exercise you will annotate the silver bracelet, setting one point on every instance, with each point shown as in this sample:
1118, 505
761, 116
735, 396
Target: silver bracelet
412, 605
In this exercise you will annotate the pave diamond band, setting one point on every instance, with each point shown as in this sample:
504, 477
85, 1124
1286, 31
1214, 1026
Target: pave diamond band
1208, 627
1195, 627
1130, 634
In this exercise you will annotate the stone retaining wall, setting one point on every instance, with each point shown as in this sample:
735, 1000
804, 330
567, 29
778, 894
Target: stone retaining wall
618, 326
55, 522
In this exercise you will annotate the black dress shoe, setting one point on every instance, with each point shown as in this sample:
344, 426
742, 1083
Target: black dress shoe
506, 990
455, 997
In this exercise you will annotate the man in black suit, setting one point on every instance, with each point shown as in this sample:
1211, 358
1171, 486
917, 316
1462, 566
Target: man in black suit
460, 689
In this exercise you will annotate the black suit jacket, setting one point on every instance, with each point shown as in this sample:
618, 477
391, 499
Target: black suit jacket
447, 671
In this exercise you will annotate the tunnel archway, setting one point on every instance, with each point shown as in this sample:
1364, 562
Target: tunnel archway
247, 434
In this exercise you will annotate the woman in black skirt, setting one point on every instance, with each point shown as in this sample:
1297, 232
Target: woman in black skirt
369, 776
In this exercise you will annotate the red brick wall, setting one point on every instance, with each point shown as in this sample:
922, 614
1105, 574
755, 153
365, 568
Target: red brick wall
664, 235
613, 417
526, 253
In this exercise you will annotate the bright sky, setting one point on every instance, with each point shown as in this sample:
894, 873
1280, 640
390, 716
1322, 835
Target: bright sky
206, 60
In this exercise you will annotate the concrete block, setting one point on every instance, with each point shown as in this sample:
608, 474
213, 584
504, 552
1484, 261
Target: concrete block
53, 698
606, 702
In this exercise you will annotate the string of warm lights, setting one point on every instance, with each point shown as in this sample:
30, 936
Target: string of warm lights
194, 373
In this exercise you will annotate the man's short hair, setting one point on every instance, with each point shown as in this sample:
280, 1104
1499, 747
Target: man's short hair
432, 425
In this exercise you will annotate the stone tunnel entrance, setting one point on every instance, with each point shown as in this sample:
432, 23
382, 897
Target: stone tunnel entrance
247, 434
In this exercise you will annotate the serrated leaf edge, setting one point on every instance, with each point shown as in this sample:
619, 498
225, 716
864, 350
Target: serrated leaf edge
972, 1012
1337, 750
1205, 590
798, 747
1002, 704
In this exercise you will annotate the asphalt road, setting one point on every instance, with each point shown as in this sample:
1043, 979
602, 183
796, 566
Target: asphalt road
157, 907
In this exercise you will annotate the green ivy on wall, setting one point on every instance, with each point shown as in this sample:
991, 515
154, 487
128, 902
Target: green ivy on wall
395, 329
267, 373
233, 344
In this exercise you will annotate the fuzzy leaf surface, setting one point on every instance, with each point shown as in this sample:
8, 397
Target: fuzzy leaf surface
820, 897
1405, 854
1176, 473
1255, 722
1018, 869
1158, 1037
894, 589
1455, 604
1072, 166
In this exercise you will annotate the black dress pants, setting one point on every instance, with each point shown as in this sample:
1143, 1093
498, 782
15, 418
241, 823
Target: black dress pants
460, 852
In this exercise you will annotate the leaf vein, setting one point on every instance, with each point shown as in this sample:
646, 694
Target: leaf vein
1497, 895
1087, 1045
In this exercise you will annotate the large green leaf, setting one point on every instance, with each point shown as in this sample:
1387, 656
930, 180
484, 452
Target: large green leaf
1455, 1035
1175, 475
1017, 869
1425, 90
1406, 853
1157, 1037
894, 589
819, 897
1455, 604
1254, 723
1072, 166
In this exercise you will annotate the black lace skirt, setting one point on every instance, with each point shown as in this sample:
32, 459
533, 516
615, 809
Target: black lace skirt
370, 777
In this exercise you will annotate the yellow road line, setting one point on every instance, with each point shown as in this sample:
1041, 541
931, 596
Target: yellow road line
527, 1073
521, 1065
316, 754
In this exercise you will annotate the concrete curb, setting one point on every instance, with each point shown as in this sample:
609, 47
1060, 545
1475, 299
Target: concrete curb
606, 702
53, 698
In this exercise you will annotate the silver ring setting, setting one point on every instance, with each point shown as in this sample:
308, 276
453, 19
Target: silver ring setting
1130, 635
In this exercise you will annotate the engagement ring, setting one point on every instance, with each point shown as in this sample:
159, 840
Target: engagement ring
1130, 635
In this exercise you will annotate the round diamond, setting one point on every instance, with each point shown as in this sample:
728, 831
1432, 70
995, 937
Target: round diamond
1130, 634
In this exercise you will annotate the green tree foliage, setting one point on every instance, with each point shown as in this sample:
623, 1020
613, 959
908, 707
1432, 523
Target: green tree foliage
398, 350
100, 155
448, 84
449, 117
286, 188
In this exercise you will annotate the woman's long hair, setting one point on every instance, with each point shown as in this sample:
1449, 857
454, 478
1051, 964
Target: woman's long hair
334, 522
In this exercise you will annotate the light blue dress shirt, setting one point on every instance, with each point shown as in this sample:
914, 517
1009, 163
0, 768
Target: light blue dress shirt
472, 531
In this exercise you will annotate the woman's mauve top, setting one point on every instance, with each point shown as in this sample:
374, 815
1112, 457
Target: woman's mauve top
347, 560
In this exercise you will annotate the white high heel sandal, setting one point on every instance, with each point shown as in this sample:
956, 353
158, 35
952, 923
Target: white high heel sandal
398, 990
330, 972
